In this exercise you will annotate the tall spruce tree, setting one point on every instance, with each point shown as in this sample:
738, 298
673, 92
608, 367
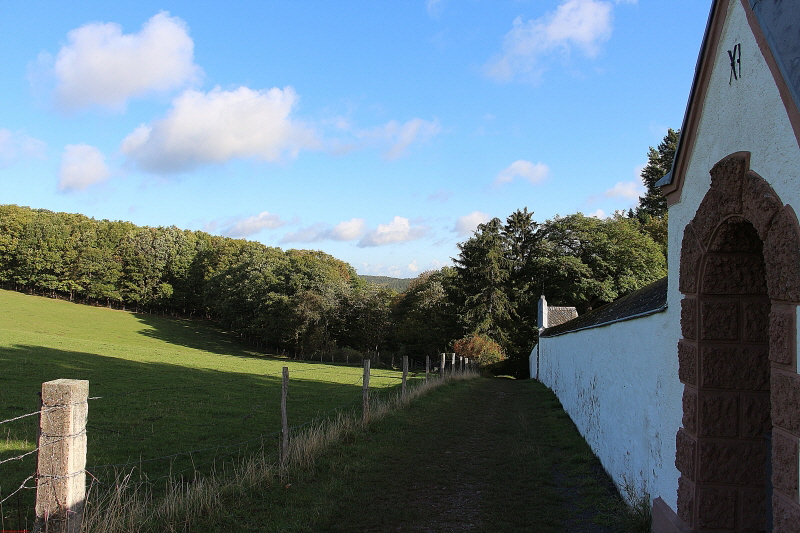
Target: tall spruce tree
659, 163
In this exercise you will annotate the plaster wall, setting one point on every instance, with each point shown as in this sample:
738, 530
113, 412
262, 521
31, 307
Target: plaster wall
619, 384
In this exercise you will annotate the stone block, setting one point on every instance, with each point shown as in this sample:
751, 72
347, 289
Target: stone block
687, 362
785, 400
760, 203
785, 464
756, 320
719, 320
785, 515
690, 410
719, 414
689, 318
755, 419
782, 333
752, 509
716, 508
724, 198
691, 253
734, 274
730, 368
685, 448
686, 499
736, 235
782, 257
731, 462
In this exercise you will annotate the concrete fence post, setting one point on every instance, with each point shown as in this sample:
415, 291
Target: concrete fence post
427, 366
453, 363
441, 366
61, 471
284, 417
365, 394
405, 376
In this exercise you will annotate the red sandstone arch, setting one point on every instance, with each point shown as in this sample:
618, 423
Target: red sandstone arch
740, 277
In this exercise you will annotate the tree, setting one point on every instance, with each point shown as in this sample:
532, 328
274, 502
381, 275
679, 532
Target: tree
659, 163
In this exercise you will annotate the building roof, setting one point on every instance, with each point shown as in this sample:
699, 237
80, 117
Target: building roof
646, 301
774, 24
558, 315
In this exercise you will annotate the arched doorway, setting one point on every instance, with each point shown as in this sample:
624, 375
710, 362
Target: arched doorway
740, 276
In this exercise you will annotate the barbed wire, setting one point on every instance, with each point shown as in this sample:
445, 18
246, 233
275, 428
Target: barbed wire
22, 486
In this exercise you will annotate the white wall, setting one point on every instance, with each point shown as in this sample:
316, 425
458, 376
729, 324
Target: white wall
619, 384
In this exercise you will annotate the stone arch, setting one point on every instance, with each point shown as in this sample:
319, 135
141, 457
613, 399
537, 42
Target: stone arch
740, 279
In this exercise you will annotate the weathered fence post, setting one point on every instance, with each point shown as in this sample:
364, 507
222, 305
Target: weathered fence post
365, 394
284, 417
427, 366
453, 364
61, 476
405, 375
441, 366
461, 363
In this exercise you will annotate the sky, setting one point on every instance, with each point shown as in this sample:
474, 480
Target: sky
380, 132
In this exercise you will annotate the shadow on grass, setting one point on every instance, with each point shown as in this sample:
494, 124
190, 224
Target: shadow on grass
149, 410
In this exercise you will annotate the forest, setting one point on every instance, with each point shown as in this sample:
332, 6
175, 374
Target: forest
308, 303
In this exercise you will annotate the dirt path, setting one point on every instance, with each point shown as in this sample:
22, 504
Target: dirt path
490, 455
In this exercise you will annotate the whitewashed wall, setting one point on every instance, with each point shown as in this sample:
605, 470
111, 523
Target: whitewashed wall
619, 384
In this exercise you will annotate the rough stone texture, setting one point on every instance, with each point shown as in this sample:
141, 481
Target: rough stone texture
687, 362
785, 400
719, 415
732, 462
685, 447
753, 505
734, 274
760, 203
784, 464
731, 368
725, 196
755, 419
691, 252
686, 495
782, 256
717, 508
689, 318
782, 333
690, 410
756, 320
785, 515
720, 320
736, 235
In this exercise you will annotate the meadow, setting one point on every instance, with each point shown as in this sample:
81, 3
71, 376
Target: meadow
160, 388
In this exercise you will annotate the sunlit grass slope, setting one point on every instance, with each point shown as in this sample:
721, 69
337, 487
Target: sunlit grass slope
165, 386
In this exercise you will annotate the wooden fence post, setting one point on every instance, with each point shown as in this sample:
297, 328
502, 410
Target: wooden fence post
284, 417
427, 366
405, 375
365, 394
61, 472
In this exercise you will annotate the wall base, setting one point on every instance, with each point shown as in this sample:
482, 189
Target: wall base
665, 520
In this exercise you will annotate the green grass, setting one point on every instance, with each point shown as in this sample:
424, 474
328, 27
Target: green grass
165, 386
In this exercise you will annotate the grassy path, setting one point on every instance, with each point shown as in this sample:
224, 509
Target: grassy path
487, 455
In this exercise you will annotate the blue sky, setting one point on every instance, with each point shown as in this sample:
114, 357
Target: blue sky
379, 132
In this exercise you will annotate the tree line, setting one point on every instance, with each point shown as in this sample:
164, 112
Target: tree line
309, 303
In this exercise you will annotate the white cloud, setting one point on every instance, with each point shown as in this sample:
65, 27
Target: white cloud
523, 169
16, 146
348, 230
101, 66
398, 230
599, 213
81, 166
575, 24
412, 266
630, 190
466, 225
245, 227
215, 127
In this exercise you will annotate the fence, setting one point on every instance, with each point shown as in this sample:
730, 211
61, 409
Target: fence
61, 444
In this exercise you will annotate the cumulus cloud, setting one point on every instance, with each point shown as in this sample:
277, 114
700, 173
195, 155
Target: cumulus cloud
398, 230
575, 24
535, 173
244, 227
349, 230
412, 266
81, 166
101, 66
215, 127
629, 190
466, 225
16, 146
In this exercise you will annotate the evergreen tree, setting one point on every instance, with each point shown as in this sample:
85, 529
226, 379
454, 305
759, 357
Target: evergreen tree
659, 163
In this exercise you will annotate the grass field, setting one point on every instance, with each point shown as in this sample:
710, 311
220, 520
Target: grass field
164, 386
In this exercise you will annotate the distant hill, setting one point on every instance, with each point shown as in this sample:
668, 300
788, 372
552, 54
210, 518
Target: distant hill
398, 284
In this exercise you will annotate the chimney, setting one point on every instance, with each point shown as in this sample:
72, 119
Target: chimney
541, 321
